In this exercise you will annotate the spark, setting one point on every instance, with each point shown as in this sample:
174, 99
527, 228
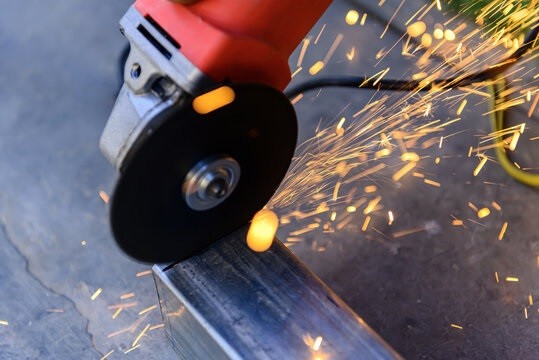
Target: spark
317, 66
382, 74
402, 233
404, 170
4, 322
534, 104
511, 279
367, 172
148, 309
366, 223
372, 204
351, 18
476, 222
496, 276
96, 294
390, 217
104, 196
493, 183
525, 313
319, 34
391, 19
369, 189
426, 40
457, 326
55, 310
530, 300
137, 339
475, 92
133, 348
127, 296
351, 54
107, 355
333, 47
336, 191
119, 332
480, 165
158, 326
123, 305
117, 312
339, 129
483, 213
416, 29
317, 343
473, 207
297, 71
295, 100
506, 105
449, 35
414, 15
432, 183
514, 141
144, 273
382, 153
461, 106
419, 76
427, 110
502, 231
410, 156
304, 47
293, 239
496, 206
363, 19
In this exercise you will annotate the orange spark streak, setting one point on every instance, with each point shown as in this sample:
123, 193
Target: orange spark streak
502, 231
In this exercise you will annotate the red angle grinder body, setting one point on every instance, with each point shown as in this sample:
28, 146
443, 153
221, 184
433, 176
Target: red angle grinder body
189, 176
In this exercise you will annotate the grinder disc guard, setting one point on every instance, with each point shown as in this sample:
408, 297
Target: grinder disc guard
150, 217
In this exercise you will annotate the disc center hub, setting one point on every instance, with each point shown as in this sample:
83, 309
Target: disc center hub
210, 182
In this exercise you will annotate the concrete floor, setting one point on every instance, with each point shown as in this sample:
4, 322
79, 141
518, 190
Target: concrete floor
58, 81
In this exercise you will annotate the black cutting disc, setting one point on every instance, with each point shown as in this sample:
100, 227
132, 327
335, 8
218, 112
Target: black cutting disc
150, 218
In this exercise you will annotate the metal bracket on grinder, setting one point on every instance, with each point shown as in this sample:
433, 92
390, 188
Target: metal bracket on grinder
156, 76
229, 302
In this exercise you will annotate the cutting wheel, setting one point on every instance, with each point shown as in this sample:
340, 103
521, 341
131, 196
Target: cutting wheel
198, 177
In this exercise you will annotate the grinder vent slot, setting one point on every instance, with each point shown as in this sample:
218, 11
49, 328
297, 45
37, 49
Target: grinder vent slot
162, 31
154, 41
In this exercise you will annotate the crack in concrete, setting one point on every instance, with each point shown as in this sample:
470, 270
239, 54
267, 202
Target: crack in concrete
4, 230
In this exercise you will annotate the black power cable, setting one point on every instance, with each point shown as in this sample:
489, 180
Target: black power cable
364, 82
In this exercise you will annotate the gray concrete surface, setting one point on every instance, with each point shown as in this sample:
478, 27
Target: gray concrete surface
58, 79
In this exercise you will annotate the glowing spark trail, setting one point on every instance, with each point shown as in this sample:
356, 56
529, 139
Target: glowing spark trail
96, 294
502, 231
